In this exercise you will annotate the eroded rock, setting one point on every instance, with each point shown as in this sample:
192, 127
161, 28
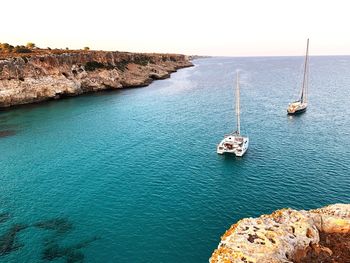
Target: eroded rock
38, 78
287, 235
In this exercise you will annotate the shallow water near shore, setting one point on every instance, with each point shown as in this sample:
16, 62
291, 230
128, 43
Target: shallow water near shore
133, 175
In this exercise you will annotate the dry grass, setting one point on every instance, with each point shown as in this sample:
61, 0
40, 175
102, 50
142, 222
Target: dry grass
36, 52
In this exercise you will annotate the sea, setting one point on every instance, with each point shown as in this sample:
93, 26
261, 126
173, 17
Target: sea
132, 175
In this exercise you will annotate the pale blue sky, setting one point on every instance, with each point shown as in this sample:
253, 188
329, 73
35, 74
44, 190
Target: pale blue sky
221, 27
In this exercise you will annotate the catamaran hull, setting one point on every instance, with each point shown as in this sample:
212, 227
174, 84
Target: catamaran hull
238, 151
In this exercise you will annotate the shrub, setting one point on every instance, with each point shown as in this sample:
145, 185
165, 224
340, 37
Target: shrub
121, 65
6, 47
93, 65
141, 60
86, 48
22, 49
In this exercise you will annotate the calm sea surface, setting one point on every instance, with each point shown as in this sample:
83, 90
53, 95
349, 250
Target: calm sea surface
133, 175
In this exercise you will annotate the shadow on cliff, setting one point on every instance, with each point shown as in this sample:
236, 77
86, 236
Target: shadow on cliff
52, 102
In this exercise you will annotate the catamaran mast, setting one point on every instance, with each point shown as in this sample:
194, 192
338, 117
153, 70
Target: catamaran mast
237, 105
305, 78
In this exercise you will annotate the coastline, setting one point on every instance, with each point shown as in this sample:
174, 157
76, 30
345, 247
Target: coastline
36, 78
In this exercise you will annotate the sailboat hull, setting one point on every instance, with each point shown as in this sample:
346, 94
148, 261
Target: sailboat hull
296, 107
296, 112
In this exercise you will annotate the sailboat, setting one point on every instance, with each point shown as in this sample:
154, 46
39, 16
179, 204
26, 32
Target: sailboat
300, 105
234, 142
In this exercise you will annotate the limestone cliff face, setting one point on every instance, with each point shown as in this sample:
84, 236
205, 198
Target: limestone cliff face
29, 79
289, 236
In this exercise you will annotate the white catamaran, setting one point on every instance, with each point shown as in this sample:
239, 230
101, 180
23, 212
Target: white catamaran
300, 105
235, 143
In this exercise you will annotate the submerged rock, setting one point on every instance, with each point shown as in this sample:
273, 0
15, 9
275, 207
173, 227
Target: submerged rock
53, 250
4, 217
60, 225
287, 235
8, 240
6, 133
71, 254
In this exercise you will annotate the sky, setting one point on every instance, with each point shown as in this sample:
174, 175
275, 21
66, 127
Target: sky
192, 27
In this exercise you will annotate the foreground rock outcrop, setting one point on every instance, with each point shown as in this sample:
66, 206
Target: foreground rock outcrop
321, 235
33, 78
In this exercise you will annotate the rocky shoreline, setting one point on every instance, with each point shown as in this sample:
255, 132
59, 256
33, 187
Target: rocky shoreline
287, 235
32, 78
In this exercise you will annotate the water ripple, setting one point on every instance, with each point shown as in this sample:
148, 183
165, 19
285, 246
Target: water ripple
138, 168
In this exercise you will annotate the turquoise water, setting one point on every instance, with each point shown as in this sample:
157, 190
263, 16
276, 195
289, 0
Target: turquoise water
133, 175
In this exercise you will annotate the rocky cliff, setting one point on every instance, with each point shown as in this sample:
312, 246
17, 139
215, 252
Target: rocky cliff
321, 235
34, 78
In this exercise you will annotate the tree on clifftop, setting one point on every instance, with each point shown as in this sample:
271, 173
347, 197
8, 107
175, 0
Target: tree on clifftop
86, 48
30, 45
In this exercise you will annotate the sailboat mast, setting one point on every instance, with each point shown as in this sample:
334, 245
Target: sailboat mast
237, 105
303, 91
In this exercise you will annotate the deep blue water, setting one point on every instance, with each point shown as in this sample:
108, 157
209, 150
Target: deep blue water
136, 171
